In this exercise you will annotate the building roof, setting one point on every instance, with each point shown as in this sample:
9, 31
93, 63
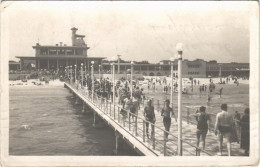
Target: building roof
61, 56
15, 63
60, 47
74, 29
77, 35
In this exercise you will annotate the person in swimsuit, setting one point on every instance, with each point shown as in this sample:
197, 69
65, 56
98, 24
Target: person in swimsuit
223, 127
149, 116
202, 125
167, 112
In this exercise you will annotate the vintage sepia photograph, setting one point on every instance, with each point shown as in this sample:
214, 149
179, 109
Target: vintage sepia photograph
120, 81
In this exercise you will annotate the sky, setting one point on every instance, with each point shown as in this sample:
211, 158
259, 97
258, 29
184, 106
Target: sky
135, 30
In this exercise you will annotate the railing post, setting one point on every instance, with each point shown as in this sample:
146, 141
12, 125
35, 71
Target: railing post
118, 114
197, 152
135, 125
188, 115
110, 109
164, 144
129, 120
143, 131
100, 102
114, 111
153, 133
158, 106
105, 106
124, 118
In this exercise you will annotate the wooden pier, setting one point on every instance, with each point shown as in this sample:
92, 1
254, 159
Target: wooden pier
132, 128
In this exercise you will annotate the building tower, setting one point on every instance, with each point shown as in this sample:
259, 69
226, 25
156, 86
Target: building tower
118, 64
73, 37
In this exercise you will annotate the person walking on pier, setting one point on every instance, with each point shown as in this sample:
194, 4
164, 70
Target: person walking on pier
202, 125
220, 91
167, 112
223, 127
149, 116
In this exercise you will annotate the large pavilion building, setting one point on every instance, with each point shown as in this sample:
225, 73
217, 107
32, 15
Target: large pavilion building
60, 55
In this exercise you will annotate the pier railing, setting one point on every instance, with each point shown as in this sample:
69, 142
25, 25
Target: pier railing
188, 113
136, 125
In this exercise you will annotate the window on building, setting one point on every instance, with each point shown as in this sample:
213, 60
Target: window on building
137, 68
43, 51
52, 51
79, 52
144, 68
151, 67
166, 68
61, 52
175, 68
70, 51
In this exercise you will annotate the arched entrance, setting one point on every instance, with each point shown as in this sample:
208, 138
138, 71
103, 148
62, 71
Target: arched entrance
151, 74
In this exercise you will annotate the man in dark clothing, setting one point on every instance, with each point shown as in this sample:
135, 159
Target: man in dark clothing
167, 113
245, 132
149, 116
220, 92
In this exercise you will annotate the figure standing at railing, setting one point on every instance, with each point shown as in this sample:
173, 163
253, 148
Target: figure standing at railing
202, 125
127, 105
223, 128
245, 132
134, 108
167, 113
149, 116
137, 95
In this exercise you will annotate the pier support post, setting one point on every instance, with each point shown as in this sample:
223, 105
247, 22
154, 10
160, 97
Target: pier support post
94, 122
83, 106
77, 100
117, 141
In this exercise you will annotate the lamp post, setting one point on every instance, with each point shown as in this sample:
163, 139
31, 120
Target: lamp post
179, 48
92, 78
81, 72
118, 64
86, 75
75, 74
99, 70
172, 59
113, 79
113, 82
70, 74
131, 78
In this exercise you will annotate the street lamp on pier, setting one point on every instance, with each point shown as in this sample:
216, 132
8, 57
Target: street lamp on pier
179, 48
70, 74
131, 78
86, 74
75, 74
99, 71
81, 72
92, 79
113, 79
172, 60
